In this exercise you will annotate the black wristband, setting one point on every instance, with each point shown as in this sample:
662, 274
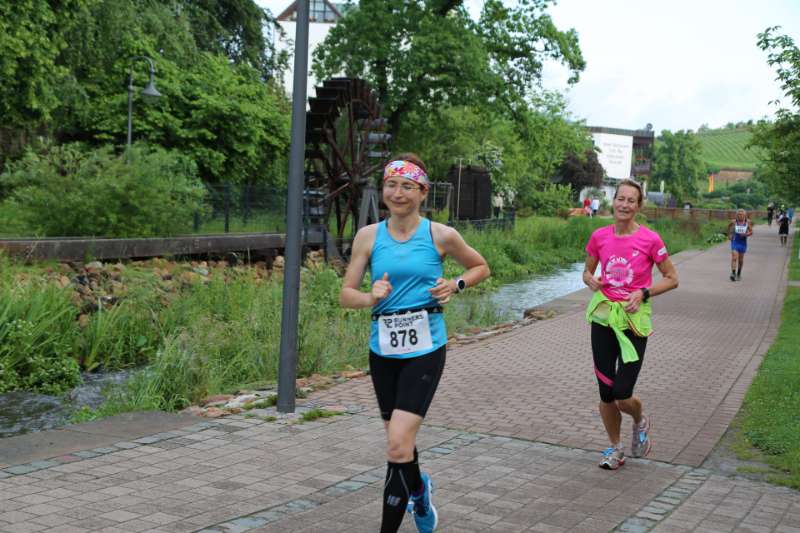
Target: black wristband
645, 294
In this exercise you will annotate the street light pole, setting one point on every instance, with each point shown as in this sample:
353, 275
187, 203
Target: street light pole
149, 90
287, 371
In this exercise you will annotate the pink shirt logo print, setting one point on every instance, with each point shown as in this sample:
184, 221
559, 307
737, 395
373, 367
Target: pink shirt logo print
618, 272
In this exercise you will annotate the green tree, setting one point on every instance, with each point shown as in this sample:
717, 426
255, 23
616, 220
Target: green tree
780, 138
474, 135
421, 55
218, 111
677, 162
523, 154
548, 135
235, 28
211, 59
32, 35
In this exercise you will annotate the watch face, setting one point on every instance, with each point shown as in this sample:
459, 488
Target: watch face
461, 285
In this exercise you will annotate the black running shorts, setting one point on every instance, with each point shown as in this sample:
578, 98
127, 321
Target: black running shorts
406, 384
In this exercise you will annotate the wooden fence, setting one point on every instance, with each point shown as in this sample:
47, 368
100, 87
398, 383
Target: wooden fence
676, 213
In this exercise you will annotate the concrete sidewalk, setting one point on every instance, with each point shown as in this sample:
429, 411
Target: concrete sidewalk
512, 439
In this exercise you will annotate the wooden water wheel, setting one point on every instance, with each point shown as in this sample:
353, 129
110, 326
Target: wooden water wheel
346, 150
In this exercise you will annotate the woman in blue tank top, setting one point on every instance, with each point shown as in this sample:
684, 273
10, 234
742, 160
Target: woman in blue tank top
408, 337
739, 229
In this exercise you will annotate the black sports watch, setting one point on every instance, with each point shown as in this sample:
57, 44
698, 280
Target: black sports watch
460, 285
645, 294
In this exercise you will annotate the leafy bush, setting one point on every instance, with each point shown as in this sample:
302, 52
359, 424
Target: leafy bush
550, 200
66, 191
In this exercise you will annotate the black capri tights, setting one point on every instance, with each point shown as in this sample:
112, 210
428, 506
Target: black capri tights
615, 378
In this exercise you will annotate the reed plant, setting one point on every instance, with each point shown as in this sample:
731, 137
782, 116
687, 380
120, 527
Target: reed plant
37, 329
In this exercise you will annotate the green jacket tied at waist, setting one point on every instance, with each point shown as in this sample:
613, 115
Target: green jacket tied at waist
613, 315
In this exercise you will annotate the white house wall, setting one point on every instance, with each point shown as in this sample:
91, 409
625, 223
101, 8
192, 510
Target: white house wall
316, 34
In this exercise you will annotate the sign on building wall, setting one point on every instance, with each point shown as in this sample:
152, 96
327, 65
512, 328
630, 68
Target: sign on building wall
615, 153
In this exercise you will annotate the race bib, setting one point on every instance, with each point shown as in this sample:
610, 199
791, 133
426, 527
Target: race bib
741, 230
404, 333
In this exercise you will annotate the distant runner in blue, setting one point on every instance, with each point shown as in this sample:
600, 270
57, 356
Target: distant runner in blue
739, 229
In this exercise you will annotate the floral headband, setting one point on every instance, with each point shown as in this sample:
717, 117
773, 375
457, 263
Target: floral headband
407, 170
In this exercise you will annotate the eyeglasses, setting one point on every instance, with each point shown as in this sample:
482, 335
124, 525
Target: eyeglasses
406, 187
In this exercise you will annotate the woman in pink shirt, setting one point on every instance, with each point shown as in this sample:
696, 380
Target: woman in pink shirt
619, 314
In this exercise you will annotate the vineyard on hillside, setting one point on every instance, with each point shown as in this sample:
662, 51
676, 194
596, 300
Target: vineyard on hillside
727, 148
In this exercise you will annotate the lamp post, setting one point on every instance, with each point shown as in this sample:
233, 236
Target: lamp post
287, 371
149, 90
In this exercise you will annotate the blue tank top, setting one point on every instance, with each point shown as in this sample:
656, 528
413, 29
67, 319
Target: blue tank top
413, 267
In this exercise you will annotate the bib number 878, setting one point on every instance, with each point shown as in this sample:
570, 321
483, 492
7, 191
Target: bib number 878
405, 333
398, 338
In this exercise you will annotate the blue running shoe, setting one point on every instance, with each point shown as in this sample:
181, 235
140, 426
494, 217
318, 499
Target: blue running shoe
422, 508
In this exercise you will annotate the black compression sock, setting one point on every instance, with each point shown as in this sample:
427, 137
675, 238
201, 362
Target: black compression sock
400, 477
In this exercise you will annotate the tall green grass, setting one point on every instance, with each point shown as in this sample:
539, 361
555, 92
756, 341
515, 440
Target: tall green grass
231, 337
37, 332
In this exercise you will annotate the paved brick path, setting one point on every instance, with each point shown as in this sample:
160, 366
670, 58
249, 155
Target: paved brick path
538, 383
511, 442
241, 474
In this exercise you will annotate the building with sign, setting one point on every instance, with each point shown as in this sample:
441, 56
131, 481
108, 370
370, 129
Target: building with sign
623, 154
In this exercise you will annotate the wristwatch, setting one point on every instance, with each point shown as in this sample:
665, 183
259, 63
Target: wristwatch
645, 294
460, 285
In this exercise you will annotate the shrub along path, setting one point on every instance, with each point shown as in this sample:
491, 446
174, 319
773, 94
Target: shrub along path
512, 439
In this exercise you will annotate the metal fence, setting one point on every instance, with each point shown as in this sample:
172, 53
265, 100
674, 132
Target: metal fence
504, 220
242, 209
440, 197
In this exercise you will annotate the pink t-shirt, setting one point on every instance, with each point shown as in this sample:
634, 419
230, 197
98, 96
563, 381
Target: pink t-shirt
626, 263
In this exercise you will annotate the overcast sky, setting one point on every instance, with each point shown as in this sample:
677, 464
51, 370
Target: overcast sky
675, 64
